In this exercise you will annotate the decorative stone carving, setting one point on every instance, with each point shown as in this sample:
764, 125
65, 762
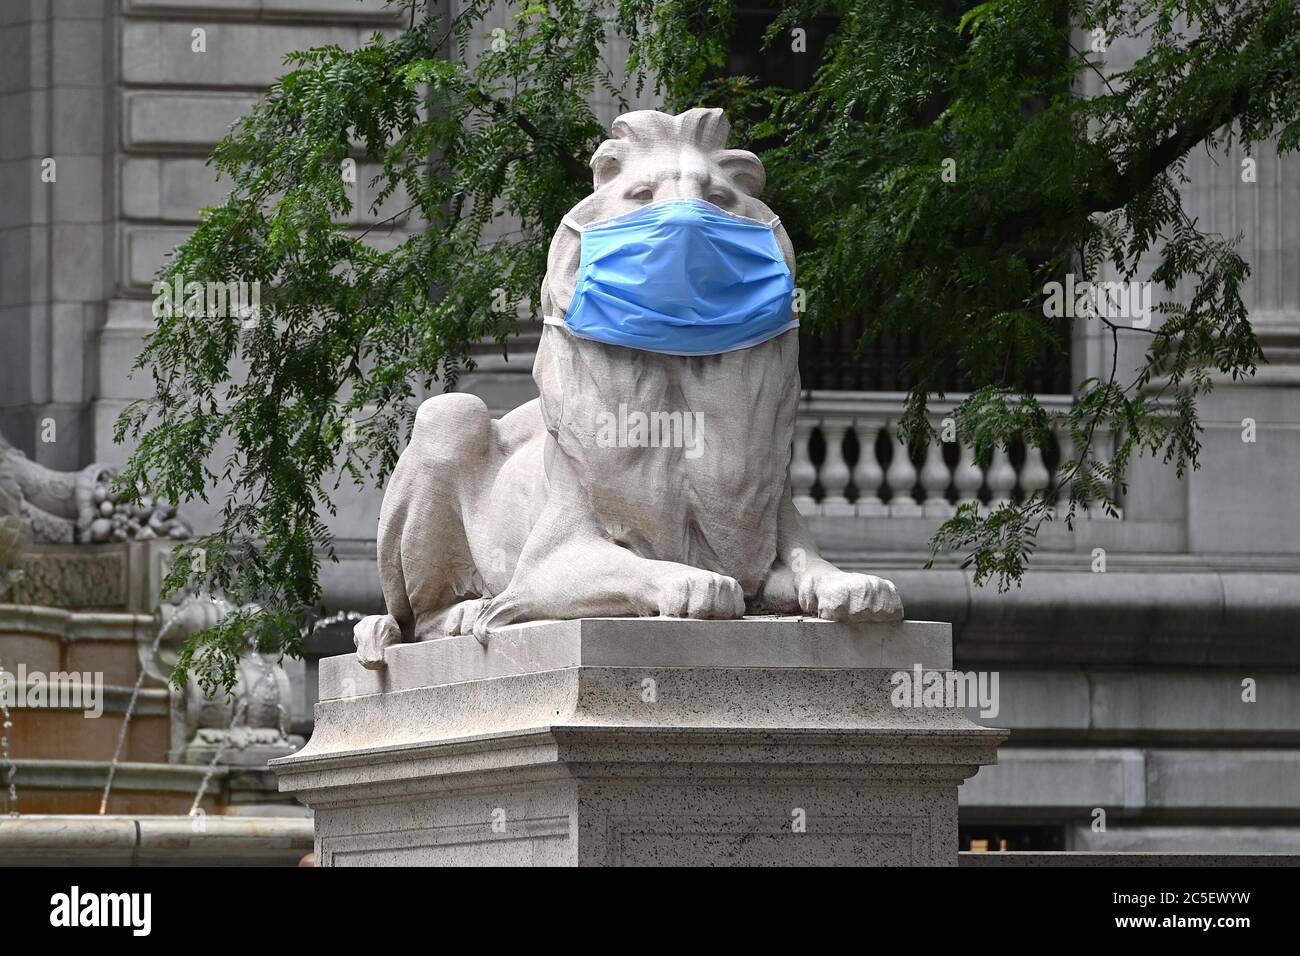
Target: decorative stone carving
140, 522
73, 578
13, 531
66, 507
487, 522
249, 725
58, 506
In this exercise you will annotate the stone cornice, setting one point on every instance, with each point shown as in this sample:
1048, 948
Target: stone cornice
68, 625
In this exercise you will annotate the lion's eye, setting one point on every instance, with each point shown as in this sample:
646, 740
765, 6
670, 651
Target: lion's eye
721, 199
641, 194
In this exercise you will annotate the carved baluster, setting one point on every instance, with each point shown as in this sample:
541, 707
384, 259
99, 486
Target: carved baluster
967, 476
934, 481
835, 470
803, 473
1103, 449
1001, 477
1064, 466
867, 473
1033, 474
901, 477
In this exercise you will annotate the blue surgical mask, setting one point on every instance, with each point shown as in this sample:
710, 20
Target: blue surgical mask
682, 277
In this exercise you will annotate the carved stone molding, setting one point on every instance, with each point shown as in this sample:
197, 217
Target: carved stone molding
76, 579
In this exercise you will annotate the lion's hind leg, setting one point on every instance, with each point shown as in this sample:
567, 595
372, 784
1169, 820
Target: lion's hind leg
426, 568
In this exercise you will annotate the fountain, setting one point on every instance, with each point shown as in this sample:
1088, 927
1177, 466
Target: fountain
85, 600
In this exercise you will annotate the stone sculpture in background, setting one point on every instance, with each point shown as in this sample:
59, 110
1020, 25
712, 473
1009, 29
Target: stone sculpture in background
76, 507
247, 726
650, 478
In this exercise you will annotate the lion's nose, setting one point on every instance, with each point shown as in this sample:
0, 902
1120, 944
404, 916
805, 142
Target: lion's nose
687, 184
681, 189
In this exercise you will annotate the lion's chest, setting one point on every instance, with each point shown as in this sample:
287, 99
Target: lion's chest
682, 459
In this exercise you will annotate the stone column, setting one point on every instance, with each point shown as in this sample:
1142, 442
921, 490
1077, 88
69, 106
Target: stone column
1232, 503
1242, 498
608, 742
56, 229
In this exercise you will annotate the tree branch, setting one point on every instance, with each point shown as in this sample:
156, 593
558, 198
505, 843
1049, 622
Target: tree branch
1147, 164
483, 101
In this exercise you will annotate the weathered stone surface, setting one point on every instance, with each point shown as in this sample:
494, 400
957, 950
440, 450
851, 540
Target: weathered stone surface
139, 840
1150, 781
668, 642
94, 578
640, 742
235, 54
178, 120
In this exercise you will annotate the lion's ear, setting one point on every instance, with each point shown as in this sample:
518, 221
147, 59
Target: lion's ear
606, 163
744, 169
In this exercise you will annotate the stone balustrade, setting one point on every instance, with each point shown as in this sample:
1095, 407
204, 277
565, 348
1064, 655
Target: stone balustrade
848, 460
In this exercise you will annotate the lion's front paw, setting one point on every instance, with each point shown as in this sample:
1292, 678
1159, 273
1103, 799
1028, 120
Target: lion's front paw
461, 617
698, 593
373, 634
835, 595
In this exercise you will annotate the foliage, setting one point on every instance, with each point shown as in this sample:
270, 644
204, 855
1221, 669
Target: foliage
1059, 167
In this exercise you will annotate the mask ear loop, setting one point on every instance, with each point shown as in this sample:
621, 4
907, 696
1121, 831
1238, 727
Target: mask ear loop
558, 321
576, 227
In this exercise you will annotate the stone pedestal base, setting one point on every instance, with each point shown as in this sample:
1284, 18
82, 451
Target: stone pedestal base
631, 742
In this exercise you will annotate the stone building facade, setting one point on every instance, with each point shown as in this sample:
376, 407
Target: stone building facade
1126, 690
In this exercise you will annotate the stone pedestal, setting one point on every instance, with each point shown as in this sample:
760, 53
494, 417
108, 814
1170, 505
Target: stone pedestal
613, 742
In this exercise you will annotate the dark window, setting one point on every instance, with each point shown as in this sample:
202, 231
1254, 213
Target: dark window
828, 360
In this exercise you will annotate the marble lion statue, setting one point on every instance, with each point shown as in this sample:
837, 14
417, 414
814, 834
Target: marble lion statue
651, 475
